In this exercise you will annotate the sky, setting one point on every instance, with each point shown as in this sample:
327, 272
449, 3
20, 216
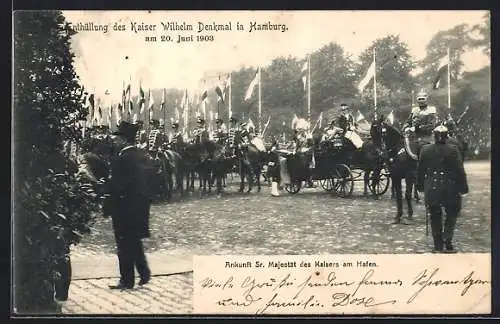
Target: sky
101, 57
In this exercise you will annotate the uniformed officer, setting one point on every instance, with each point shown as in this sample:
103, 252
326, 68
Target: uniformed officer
233, 131
441, 176
220, 132
454, 137
141, 137
422, 120
176, 138
200, 133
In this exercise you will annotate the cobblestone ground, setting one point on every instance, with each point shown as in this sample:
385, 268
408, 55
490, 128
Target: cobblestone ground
310, 222
163, 295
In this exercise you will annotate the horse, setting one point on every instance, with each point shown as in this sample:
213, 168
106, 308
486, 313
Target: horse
339, 149
401, 165
251, 159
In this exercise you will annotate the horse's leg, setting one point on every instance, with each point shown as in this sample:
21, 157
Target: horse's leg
242, 176
366, 178
415, 193
250, 177
396, 180
258, 178
408, 196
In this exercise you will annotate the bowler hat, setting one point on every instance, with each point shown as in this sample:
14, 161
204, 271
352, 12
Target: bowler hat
127, 130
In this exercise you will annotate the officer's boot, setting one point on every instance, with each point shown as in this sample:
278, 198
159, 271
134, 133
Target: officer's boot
449, 228
437, 228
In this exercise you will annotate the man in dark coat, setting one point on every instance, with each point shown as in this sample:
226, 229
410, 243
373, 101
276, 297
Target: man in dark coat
129, 206
442, 177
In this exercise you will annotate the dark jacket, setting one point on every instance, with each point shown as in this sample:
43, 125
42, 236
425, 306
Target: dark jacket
441, 175
129, 200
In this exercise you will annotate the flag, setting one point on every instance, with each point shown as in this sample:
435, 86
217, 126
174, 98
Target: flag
129, 99
162, 105
390, 117
141, 99
220, 94
360, 117
369, 75
151, 101
294, 121
203, 96
99, 116
252, 85
320, 119
119, 112
304, 75
443, 65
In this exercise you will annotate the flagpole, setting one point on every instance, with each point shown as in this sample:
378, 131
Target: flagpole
123, 99
449, 85
260, 101
309, 88
164, 105
375, 83
229, 104
412, 98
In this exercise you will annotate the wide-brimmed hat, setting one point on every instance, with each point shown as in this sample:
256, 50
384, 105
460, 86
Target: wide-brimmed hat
127, 130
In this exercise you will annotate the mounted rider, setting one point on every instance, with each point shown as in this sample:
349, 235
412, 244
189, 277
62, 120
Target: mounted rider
176, 139
141, 137
422, 121
156, 136
200, 133
232, 134
348, 125
220, 133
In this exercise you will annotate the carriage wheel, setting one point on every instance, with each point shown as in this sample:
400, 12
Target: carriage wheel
293, 187
327, 184
343, 181
379, 186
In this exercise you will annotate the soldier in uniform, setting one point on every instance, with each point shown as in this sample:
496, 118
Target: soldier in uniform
220, 132
176, 138
141, 138
274, 169
128, 206
200, 133
454, 137
233, 131
422, 120
441, 176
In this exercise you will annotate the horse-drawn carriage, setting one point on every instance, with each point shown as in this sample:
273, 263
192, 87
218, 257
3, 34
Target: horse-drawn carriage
336, 164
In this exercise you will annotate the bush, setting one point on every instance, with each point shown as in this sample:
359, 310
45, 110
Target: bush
52, 207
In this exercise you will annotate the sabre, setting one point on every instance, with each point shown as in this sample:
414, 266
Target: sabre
265, 127
463, 114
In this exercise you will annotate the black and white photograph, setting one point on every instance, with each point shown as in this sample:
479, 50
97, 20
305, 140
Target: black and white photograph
141, 139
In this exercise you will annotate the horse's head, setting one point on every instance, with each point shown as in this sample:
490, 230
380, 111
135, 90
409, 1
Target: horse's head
383, 132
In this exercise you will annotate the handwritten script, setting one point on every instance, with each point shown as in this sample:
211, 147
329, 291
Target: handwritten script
258, 287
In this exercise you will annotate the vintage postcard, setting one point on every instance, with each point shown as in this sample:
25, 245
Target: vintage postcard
252, 162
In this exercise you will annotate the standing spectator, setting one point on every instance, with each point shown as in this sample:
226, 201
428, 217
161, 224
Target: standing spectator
129, 206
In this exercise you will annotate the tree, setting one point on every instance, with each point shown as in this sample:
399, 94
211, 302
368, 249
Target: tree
332, 75
394, 81
457, 40
393, 62
51, 205
484, 37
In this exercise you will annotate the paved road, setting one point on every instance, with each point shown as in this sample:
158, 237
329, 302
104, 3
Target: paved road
311, 222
